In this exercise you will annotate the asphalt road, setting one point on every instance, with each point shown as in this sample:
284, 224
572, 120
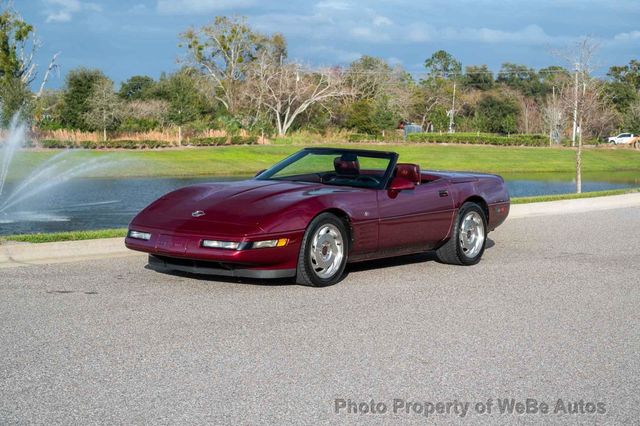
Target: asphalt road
552, 312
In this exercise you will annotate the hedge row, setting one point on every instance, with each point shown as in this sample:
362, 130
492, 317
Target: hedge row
130, 144
223, 140
122, 144
482, 139
363, 137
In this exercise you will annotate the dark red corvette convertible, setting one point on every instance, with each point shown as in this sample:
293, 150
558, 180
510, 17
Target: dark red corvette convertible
317, 210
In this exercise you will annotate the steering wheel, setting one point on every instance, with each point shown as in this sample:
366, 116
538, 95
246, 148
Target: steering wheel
367, 179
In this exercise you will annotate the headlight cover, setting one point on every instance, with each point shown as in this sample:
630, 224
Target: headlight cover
227, 245
138, 235
234, 245
281, 242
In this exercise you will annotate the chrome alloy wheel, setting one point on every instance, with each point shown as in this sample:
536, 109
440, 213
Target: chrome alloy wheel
327, 251
471, 234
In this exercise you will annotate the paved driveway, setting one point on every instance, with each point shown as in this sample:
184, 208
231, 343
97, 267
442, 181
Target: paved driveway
552, 312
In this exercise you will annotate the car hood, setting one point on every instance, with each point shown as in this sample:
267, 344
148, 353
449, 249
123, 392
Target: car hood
240, 207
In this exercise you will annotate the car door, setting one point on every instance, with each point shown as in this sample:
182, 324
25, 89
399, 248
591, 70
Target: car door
415, 219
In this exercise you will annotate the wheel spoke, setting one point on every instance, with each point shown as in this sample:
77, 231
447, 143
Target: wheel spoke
326, 251
471, 234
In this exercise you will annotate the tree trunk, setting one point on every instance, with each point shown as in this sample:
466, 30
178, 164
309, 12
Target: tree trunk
179, 135
104, 125
579, 162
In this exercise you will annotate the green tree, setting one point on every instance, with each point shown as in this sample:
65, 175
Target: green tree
47, 108
629, 74
521, 78
16, 72
624, 87
224, 49
443, 64
371, 116
360, 117
137, 88
79, 85
478, 77
497, 115
553, 75
187, 102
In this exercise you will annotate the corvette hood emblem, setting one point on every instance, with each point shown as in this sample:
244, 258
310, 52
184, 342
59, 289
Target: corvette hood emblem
198, 213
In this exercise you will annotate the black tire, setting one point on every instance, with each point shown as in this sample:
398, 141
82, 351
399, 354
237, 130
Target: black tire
452, 252
306, 274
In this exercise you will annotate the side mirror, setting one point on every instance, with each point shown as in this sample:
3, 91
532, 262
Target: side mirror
260, 172
401, 184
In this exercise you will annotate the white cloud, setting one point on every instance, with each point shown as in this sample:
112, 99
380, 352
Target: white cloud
418, 33
333, 5
63, 10
368, 34
626, 37
529, 35
333, 55
382, 21
186, 7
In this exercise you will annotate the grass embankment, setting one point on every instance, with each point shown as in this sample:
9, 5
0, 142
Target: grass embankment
115, 233
556, 197
66, 236
246, 160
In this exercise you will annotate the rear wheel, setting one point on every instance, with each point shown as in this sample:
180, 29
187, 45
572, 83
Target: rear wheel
469, 237
323, 253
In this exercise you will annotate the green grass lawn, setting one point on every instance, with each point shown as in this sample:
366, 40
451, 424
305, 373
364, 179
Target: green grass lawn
246, 160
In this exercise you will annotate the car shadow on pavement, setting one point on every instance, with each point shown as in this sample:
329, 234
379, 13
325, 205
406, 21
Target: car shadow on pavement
399, 260
230, 280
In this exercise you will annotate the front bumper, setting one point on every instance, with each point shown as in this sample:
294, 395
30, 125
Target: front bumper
186, 247
165, 264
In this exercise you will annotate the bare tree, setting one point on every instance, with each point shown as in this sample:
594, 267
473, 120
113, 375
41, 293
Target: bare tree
153, 109
430, 94
105, 107
553, 116
287, 90
581, 58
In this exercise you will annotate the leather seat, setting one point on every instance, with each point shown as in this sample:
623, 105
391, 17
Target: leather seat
408, 171
347, 165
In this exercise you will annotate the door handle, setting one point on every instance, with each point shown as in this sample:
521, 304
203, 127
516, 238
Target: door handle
443, 193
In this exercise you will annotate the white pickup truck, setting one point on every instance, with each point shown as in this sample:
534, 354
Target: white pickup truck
622, 138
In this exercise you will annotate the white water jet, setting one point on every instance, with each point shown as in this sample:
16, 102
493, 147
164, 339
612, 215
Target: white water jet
53, 172
15, 138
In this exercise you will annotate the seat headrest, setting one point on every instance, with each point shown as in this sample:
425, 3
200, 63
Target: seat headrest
408, 171
347, 164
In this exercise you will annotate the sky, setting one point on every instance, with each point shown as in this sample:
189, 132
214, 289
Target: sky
141, 37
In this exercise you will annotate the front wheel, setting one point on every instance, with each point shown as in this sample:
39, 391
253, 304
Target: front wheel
469, 237
323, 253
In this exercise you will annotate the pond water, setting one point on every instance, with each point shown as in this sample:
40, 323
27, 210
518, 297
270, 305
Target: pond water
111, 203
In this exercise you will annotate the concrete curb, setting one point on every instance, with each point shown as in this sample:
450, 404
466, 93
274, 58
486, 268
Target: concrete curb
12, 255
581, 205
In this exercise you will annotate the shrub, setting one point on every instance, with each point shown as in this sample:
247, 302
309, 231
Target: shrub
216, 141
481, 139
87, 145
389, 136
55, 144
117, 144
244, 140
362, 137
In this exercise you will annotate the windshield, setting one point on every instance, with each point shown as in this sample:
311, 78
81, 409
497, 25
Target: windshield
361, 169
